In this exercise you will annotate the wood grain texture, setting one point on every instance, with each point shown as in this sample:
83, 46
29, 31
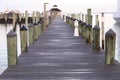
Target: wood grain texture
58, 55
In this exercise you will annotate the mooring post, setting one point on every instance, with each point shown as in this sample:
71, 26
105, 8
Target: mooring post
14, 21
102, 26
83, 17
86, 18
20, 17
39, 24
24, 39
110, 41
12, 48
71, 21
66, 19
86, 34
97, 20
35, 31
80, 22
26, 19
33, 16
37, 16
38, 27
5, 17
89, 33
31, 37
79, 16
26, 25
89, 18
96, 38
84, 30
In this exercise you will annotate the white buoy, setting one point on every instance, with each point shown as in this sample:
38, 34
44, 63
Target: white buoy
76, 33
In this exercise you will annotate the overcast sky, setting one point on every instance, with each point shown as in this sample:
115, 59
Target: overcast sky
64, 5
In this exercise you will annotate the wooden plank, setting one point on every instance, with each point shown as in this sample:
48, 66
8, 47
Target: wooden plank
58, 55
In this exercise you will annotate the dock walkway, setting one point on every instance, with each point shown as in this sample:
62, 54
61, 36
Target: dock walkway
58, 55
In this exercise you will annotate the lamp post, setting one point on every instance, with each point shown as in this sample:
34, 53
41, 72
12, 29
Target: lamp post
45, 16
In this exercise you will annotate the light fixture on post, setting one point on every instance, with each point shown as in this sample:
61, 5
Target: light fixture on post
45, 16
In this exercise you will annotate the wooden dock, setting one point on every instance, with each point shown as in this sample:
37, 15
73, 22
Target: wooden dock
58, 55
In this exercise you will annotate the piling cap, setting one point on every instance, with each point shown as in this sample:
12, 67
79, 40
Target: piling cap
11, 33
74, 19
96, 27
23, 28
86, 25
35, 24
31, 25
111, 32
80, 21
71, 18
89, 25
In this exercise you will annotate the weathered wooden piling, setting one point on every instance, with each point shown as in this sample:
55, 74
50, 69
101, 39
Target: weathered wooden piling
97, 20
80, 22
38, 25
64, 18
73, 22
24, 39
35, 31
96, 38
26, 19
33, 16
5, 17
20, 17
73, 15
31, 37
102, 26
89, 18
86, 18
88, 33
39, 28
110, 41
84, 30
79, 16
14, 21
37, 17
12, 48
83, 17
70, 21
26, 24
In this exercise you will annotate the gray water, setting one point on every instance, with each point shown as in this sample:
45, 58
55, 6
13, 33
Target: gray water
4, 29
